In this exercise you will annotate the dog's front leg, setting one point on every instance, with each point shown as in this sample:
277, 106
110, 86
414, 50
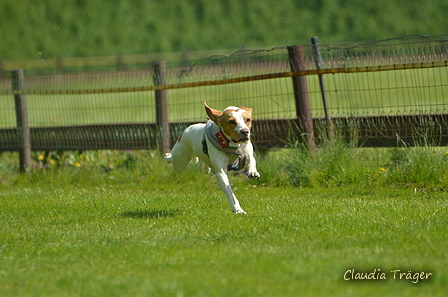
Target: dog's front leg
252, 164
223, 179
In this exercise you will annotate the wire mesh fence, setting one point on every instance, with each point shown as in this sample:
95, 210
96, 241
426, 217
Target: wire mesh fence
380, 93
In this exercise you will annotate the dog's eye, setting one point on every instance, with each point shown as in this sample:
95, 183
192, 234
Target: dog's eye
232, 122
247, 120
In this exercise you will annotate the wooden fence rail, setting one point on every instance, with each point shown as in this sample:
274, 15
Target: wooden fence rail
380, 131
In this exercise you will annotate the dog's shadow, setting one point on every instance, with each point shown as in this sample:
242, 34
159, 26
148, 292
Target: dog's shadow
151, 213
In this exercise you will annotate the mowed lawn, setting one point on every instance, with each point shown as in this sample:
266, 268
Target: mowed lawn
114, 234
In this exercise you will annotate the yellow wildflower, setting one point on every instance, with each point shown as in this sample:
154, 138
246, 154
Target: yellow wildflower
52, 161
78, 164
383, 169
41, 157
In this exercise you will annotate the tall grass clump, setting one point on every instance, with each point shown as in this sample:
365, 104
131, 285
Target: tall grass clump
420, 166
333, 163
338, 163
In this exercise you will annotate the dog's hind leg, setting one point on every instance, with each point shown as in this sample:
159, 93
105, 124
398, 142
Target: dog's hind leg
181, 155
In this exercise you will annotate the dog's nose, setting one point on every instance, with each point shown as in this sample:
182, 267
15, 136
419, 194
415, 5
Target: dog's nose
244, 132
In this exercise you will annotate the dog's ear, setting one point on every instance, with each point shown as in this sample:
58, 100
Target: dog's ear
247, 109
213, 114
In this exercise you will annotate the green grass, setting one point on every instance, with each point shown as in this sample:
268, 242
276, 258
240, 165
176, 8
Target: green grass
124, 224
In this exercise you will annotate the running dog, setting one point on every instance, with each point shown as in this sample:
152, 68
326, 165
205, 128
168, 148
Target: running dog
223, 144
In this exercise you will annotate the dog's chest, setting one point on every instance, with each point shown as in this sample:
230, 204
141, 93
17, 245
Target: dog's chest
218, 140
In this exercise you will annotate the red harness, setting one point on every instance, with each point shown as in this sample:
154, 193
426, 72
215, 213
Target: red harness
222, 143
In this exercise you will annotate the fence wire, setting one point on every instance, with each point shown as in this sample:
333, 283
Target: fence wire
377, 87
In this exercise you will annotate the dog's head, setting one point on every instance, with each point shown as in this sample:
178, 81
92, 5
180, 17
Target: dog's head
234, 121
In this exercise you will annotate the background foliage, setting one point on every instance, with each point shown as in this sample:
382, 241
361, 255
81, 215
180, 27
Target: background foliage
75, 28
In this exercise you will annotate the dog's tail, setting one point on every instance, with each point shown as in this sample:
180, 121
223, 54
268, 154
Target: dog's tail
168, 157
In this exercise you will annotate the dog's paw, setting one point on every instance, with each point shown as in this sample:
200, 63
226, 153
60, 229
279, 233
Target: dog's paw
239, 211
253, 175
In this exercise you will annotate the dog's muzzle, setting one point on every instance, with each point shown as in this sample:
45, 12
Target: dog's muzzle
245, 135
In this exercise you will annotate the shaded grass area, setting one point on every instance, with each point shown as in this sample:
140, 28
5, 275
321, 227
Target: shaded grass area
114, 227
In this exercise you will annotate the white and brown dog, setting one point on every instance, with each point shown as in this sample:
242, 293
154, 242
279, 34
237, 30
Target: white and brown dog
222, 144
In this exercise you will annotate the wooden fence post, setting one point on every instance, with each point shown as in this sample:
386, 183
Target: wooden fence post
162, 122
303, 109
23, 130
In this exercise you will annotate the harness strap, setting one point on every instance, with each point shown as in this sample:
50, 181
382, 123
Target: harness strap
204, 145
239, 163
222, 143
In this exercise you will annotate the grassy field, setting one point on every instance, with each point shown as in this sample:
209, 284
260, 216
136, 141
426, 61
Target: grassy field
124, 224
